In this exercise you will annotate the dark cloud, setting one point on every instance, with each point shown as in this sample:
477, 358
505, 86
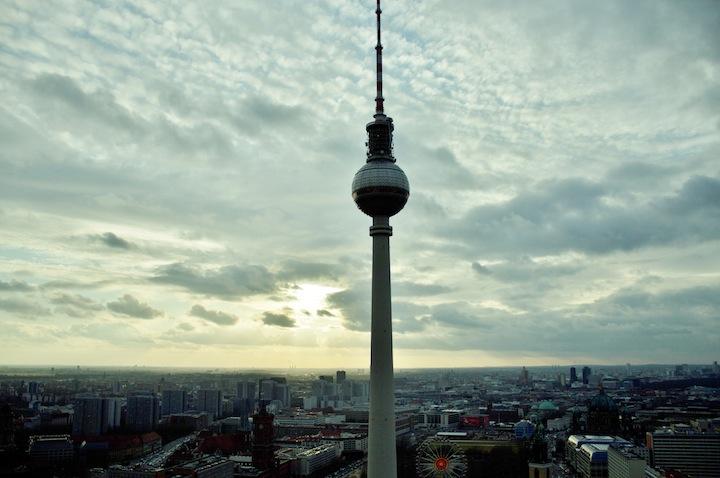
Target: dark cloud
227, 282
481, 269
293, 270
277, 320
324, 313
130, 306
185, 326
23, 307
75, 305
112, 240
215, 316
631, 322
97, 106
354, 303
579, 215
67, 284
407, 288
15, 286
525, 269
462, 315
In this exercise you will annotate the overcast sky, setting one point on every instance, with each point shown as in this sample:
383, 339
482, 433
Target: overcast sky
175, 182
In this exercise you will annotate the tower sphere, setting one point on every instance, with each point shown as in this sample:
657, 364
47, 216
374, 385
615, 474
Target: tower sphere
380, 188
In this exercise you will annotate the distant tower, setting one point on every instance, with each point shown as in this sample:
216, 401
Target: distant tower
380, 190
586, 372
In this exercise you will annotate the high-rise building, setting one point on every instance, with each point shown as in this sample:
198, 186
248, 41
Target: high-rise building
275, 389
340, 376
573, 375
210, 401
586, 372
143, 412
380, 190
281, 393
89, 416
625, 462
685, 449
112, 413
174, 401
247, 389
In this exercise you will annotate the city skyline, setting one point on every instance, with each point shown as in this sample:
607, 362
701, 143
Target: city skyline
175, 192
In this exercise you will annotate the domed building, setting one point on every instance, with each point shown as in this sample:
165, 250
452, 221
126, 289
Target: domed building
524, 430
603, 416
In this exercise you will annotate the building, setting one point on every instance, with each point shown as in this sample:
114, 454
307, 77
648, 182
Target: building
540, 470
573, 375
205, 467
625, 462
315, 459
210, 402
603, 415
51, 450
263, 453
587, 454
586, 372
189, 421
592, 460
95, 415
524, 430
174, 401
340, 376
143, 412
247, 390
275, 389
685, 449
134, 471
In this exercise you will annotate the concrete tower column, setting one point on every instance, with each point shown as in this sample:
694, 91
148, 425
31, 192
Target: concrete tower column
382, 462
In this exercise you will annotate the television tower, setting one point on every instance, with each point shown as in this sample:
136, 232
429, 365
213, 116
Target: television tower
380, 190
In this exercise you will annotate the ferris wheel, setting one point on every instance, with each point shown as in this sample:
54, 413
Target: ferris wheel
440, 458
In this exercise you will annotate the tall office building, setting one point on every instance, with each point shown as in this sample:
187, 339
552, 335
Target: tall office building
143, 412
586, 372
173, 402
625, 462
275, 389
210, 401
573, 375
247, 389
340, 376
685, 449
281, 393
112, 412
380, 190
88, 416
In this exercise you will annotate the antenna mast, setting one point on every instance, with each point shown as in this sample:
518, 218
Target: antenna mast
378, 54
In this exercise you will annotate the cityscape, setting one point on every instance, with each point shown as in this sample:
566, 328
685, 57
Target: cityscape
186, 289
576, 421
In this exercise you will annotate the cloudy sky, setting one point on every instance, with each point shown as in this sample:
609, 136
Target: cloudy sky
175, 182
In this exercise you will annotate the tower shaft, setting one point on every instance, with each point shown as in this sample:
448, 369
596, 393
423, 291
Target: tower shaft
382, 462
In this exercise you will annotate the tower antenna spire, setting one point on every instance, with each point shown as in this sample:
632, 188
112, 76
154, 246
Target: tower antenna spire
379, 109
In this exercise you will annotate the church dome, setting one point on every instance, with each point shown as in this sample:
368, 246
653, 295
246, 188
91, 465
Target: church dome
547, 406
602, 403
